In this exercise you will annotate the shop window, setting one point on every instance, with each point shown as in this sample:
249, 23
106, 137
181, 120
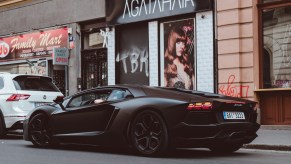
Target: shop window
177, 53
277, 47
132, 58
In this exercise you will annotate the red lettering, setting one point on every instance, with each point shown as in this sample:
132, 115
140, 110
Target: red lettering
234, 90
62, 60
4, 49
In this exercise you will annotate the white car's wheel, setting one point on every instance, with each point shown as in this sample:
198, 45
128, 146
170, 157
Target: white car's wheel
2, 128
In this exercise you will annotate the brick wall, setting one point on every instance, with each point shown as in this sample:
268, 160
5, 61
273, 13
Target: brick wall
153, 54
204, 32
111, 57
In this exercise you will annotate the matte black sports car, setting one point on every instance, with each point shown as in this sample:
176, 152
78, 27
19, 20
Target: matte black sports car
148, 119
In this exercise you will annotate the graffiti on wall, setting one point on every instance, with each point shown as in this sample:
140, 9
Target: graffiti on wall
138, 58
234, 90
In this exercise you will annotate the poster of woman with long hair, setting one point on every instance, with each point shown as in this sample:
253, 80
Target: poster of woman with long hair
179, 54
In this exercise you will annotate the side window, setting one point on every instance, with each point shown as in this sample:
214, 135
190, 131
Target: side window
82, 100
117, 95
95, 97
1, 83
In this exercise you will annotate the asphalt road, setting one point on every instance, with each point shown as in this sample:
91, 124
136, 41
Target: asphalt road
13, 150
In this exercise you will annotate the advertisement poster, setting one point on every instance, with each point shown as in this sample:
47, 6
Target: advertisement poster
179, 53
132, 59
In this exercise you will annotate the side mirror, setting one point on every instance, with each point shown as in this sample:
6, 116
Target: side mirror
59, 100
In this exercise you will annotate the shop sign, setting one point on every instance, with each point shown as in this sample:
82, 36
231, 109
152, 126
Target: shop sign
127, 11
95, 39
60, 56
32, 45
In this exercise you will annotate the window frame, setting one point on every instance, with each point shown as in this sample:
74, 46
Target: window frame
261, 7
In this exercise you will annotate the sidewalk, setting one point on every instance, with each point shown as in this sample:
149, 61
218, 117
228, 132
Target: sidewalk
272, 138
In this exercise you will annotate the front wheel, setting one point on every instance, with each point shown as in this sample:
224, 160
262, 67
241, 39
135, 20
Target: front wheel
39, 131
148, 133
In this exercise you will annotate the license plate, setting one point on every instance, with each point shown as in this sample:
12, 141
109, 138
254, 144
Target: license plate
40, 104
234, 115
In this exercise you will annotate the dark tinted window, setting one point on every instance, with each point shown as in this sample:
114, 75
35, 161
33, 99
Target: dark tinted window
34, 83
89, 98
1, 83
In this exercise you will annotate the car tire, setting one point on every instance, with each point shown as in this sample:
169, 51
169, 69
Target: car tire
39, 131
225, 148
2, 127
149, 134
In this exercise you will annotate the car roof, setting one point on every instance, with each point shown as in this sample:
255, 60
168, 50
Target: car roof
13, 75
136, 90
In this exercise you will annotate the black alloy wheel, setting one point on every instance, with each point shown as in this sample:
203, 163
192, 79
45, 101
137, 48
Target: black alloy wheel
149, 135
39, 131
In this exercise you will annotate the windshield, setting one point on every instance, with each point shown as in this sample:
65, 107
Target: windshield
34, 83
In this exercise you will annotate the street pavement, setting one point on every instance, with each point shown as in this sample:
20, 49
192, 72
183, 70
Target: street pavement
272, 138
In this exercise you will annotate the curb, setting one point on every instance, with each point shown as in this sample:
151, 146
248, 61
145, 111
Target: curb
275, 127
268, 147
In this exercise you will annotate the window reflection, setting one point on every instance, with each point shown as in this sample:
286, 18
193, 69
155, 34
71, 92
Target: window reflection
277, 47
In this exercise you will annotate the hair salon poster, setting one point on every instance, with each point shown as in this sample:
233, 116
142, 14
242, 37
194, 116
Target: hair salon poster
179, 51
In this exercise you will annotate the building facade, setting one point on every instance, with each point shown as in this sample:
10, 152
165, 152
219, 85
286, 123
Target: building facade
238, 48
254, 36
30, 30
144, 36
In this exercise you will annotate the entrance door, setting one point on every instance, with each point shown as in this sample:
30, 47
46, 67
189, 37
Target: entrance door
94, 68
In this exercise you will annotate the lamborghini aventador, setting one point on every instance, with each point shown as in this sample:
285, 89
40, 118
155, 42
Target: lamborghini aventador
149, 120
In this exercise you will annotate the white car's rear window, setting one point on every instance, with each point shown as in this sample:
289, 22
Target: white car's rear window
34, 83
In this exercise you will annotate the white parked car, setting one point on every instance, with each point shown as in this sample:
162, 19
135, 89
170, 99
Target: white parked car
19, 94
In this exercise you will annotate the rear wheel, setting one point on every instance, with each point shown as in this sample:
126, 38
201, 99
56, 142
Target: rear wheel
2, 127
40, 132
148, 133
225, 148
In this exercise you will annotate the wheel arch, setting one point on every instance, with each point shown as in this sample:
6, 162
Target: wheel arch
38, 112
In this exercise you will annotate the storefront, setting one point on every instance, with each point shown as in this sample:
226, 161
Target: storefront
274, 94
31, 53
161, 43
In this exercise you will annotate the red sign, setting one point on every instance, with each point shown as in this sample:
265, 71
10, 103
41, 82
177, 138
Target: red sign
32, 45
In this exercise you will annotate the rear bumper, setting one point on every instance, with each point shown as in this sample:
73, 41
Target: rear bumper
185, 135
25, 130
14, 122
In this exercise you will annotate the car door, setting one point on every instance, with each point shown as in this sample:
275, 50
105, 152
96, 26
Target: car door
82, 116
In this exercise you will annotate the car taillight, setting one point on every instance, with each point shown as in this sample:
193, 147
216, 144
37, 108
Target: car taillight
200, 106
17, 97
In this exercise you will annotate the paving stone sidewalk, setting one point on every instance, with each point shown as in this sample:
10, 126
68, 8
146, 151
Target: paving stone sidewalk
272, 138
